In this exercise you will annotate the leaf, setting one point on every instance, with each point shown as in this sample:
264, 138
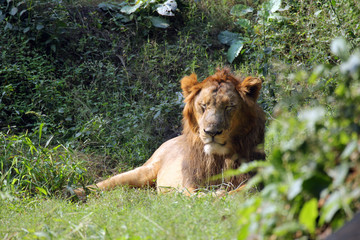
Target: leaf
350, 148
331, 206
49, 140
352, 65
26, 29
226, 37
40, 131
244, 233
317, 13
53, 47
122, 18
42, 190
39, 26
2, 16
240, 10
157, 114
312, 116
339, 174
340, 48
316, 73
22, 12
295, 188
8, 26
286, 228
78, 134
167, 8
316, 183
308, 214
105, 6
244, 23
131, 9
244, 168
234, 50
333, 3
274, 5
159, 22
13, 11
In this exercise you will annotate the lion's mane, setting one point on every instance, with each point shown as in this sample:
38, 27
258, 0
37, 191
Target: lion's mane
199, 166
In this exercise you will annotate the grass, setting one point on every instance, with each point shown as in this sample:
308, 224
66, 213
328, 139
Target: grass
121, 214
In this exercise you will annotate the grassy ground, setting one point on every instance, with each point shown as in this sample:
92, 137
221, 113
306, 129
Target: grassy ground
122, 214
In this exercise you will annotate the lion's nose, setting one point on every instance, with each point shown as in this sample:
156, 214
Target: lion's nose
212, 133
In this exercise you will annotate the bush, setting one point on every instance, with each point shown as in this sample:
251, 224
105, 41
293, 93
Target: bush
312, 175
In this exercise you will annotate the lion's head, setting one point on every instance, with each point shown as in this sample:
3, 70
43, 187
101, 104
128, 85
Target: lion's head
221, 113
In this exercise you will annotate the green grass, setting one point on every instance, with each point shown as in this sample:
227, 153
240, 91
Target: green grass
122, 214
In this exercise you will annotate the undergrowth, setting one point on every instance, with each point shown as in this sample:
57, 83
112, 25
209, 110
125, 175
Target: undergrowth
29, 168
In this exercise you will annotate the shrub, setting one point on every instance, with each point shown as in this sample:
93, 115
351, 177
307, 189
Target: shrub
312, 175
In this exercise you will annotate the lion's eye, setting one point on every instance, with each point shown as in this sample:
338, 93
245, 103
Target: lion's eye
203, 107
230, 108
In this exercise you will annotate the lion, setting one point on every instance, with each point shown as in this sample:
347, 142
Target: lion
222, 127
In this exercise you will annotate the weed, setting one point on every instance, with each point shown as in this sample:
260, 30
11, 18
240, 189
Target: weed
29, 168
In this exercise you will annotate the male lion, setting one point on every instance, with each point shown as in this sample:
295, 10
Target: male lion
222, 126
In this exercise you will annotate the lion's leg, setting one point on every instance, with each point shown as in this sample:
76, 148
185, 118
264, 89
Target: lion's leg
139, 177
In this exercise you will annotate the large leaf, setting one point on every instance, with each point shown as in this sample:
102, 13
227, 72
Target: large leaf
167, 8
226, 37
111, 6
131, 9
234, 50
274, 5
159, 22
240, 10
308, 214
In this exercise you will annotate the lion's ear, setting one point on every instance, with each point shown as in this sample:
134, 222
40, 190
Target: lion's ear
250, 86
187, 83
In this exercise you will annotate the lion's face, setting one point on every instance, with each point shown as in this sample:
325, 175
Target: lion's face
216, 109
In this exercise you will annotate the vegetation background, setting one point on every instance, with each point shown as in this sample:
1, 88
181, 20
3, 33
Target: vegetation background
91, 88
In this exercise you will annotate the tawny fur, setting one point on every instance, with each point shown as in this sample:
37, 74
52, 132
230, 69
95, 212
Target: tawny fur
182, 163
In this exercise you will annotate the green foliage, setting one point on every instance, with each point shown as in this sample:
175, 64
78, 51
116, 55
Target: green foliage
29, 168
235, 42
27, 18
239, 11
30, 91
312, 181
142, 10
